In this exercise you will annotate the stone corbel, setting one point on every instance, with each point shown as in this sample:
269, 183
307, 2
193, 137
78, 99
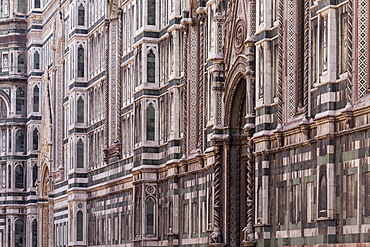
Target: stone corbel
278, 133
305, 128
348, 115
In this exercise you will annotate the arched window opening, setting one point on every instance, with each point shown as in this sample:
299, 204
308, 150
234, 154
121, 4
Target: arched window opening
21, 63
9, 177
323, 196
19, 177
22, 6
150, 126
151, 67
80, 62
19, 233
3, 179
80, 154
35, 140
36, 99
150, 216
80, 226
20, 101
3, 109
37, 4
36, 60
151, 12
19, 141
9, 232
81, 15
35, 174
80, 110
34, 233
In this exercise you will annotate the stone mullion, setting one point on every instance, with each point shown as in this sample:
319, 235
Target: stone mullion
185, 91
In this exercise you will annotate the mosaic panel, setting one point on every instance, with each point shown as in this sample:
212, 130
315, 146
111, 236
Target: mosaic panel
362, 47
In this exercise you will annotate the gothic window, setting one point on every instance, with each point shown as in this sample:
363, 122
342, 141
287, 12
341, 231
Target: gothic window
19, 233
150, 126
323, 196
80, 226
36, 60
150, 216
10, 140
3, 109
21, 6
3, 175
80, 154
81, 15
34, 233
19, 177
151, 67
21, 63
20, 101
350, 196
151, 12
35, 140
80, 110
19, 142
9, 176
36, 99
80, 62
37, 4
35, 173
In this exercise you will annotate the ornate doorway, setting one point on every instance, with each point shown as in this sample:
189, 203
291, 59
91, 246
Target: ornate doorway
236, 150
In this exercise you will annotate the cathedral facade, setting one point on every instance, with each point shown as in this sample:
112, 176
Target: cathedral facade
184, 123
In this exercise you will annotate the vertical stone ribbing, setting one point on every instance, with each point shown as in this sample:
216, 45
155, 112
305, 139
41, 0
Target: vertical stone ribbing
280, 64
106, 85
185, 92
306, 54
350, 52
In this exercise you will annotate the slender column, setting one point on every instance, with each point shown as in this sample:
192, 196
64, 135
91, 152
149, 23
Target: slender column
350, 54
215, 237
106, 85
185, 91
